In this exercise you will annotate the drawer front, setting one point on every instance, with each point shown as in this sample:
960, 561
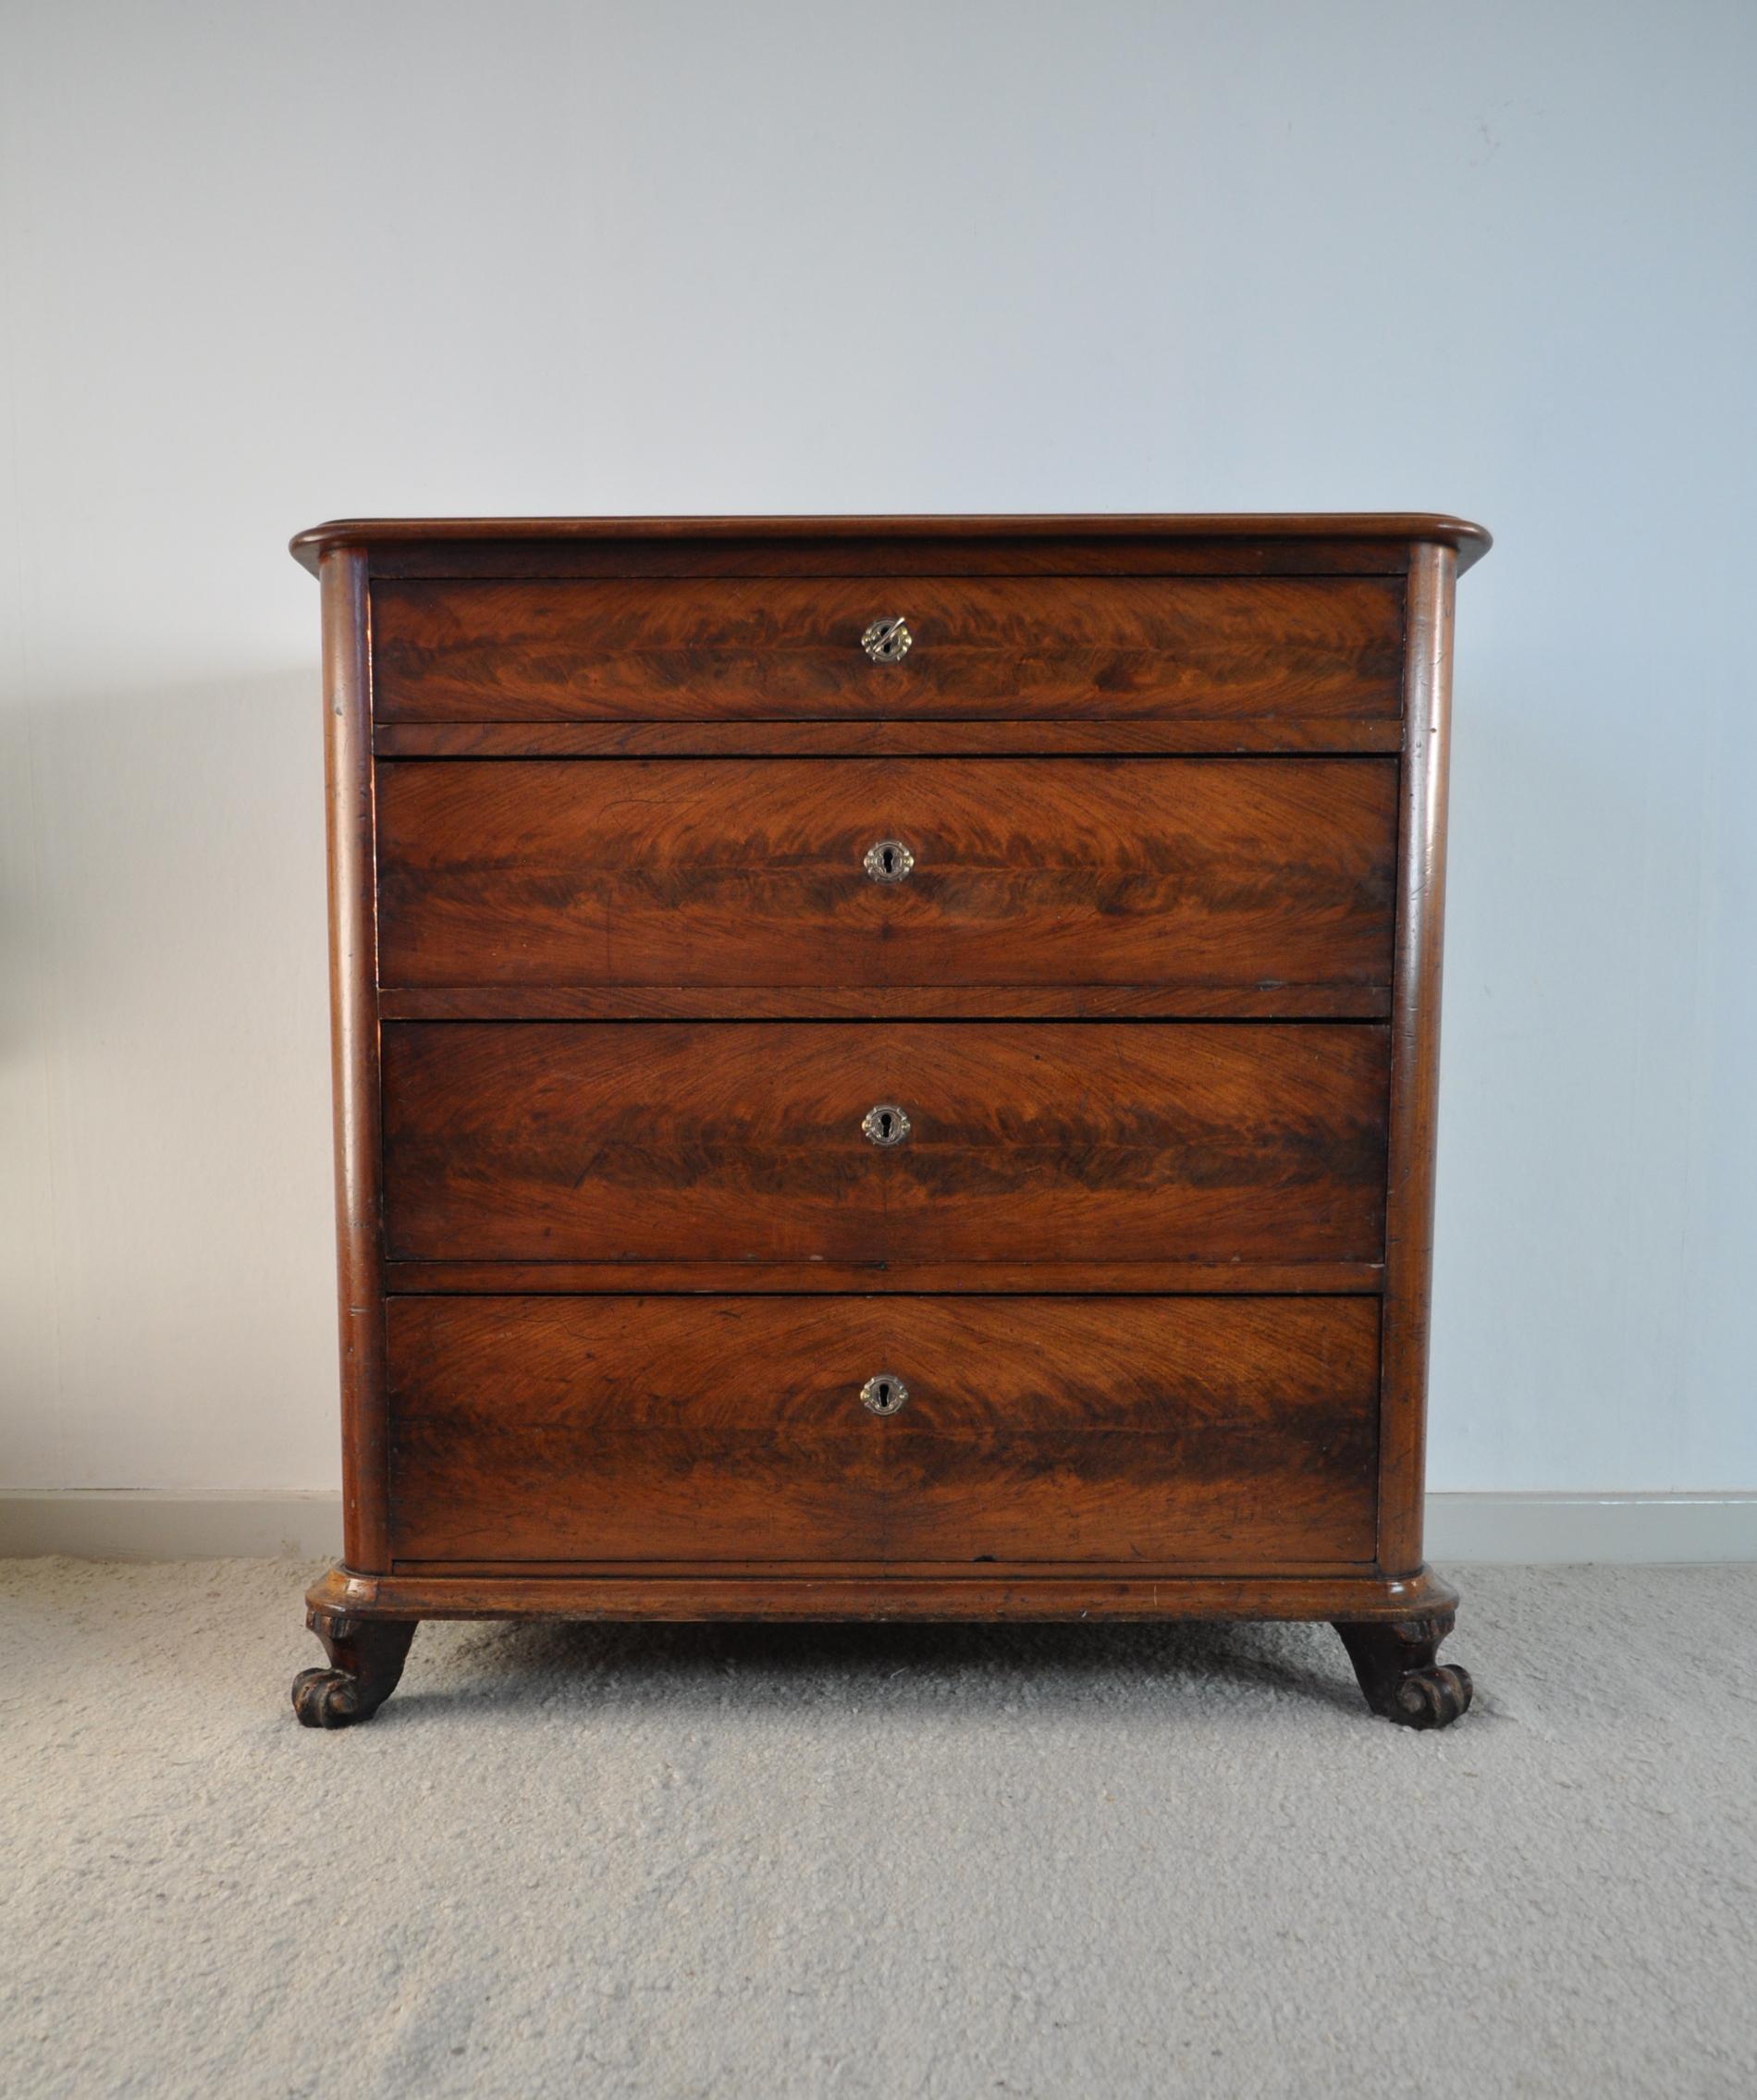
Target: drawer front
1188, 873
778, 647
1224, 1432
1025, 1142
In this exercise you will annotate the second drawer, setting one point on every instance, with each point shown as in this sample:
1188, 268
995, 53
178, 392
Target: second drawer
841, 1141
1192, 873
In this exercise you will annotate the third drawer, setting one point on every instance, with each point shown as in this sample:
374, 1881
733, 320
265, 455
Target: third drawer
857, 1142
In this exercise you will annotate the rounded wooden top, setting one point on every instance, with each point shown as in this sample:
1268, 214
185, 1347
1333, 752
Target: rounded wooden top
1469, 542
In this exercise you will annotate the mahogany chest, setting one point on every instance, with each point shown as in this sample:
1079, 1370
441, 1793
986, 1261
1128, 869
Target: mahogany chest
885, 1069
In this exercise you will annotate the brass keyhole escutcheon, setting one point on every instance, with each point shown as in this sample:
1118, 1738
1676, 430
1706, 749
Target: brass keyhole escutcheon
884, 1393
888, 861
888, 641
885, 1123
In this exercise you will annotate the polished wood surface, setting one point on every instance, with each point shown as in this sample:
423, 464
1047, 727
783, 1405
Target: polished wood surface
878, 1593
734, 555
1269, 1001
1160, 997
1280, 542
1415, 1075
1236, 737
1191, 873
706, 648
1157, 1279
353, 905
1214, 1431
1041, 1142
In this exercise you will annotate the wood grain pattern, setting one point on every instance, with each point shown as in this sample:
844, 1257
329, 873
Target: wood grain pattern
1110, 542
853, 739
1156, 1279
547, 561
1415, 1062
1199, 872
1039, 1142
881, 1593
354, 1041
1183, 1001
987, 1568
708, 648
1233, 1432
1166, 1202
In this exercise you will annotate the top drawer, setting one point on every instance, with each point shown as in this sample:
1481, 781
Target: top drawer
1099, 647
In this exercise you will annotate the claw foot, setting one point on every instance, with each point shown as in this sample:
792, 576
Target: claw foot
1394, 1663
367, 1656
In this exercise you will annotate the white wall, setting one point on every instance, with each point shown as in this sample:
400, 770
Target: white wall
268, 263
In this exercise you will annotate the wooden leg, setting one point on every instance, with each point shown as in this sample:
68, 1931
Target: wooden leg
1394, 1662
366, 1655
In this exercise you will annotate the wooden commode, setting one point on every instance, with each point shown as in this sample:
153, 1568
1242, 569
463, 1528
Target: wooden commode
885, 1069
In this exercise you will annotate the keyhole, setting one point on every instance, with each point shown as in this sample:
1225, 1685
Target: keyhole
888, 861
885, 1123
884, 1393
887, 640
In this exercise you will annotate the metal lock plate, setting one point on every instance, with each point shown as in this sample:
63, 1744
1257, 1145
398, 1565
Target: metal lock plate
888, 861
885, 1123
888, 641
884, 1393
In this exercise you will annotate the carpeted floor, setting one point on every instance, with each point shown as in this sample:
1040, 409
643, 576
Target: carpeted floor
1074, 1862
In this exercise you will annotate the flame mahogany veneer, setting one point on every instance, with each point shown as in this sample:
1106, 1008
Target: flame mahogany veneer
885, 1068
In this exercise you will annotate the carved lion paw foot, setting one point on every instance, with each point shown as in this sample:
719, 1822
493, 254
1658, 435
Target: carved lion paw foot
1395, 1664
1433, 1698
328, 1699
367, 1658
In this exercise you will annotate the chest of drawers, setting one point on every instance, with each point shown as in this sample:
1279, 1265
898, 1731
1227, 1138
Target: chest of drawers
885, 1068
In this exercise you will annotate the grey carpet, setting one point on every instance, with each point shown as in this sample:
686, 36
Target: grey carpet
1066, 1862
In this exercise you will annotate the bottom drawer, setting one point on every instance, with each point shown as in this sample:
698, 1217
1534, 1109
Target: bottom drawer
1230, 1432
